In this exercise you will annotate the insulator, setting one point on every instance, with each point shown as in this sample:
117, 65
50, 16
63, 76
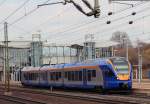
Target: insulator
133, 13
108, 22
130, 22
110, 13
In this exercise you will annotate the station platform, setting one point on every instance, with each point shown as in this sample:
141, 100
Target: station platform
12, 83
143, 84
141, 87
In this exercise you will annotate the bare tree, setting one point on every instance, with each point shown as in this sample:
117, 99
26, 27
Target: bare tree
122, 38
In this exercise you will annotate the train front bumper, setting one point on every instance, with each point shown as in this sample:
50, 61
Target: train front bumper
118, 85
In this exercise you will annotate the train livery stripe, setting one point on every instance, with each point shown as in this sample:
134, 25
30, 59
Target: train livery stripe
81, 67
68, 68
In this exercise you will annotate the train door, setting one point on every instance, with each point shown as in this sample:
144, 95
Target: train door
84, 77
43, 79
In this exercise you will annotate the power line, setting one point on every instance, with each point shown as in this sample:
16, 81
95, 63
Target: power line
108, 30
52, 17
22, 5
35, 10
30, 12
20, 18
85, 24
76, 40
105, 23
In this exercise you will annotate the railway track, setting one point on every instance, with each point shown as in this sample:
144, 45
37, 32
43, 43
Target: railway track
126, 94
105, 99
18, 100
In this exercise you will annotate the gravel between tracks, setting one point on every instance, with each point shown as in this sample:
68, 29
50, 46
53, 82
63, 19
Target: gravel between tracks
75, 98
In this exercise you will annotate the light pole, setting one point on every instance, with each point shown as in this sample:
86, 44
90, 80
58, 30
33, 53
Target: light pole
139, 63
6, 55
127, 50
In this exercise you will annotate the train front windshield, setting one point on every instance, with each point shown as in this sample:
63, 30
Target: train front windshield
121, 65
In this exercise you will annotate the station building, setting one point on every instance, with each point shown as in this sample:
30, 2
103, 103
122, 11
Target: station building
18, 58
36, 54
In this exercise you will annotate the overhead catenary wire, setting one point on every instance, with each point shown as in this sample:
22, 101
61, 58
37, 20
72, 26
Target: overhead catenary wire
15, 11
20, 18
134, 35
111, 28
87, 23
77, 26
143, 10
92, 21
50, 18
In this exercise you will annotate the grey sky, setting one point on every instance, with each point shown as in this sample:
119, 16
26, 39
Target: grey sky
65, 24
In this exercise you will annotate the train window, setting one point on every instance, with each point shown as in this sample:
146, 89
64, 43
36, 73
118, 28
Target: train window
80, 75
32, 76
44, 76
66, 74
26, 76
37, 75
76, 75
69, 76
89, 75
29, 76
59, 74
93, 73
52, 74
73, 76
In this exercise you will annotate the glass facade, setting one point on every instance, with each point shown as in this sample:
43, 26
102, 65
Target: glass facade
59, 54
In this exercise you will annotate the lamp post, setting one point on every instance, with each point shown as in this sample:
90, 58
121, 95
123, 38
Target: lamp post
127, 49
139, 63
6, 55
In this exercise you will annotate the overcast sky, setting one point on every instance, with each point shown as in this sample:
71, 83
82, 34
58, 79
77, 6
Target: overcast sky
65, 24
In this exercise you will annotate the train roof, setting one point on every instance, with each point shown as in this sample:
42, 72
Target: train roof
92, 62
30, 68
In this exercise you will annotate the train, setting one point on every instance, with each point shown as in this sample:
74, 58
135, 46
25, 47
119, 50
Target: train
103, 73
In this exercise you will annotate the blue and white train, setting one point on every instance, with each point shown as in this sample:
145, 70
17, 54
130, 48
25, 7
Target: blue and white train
107, 74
